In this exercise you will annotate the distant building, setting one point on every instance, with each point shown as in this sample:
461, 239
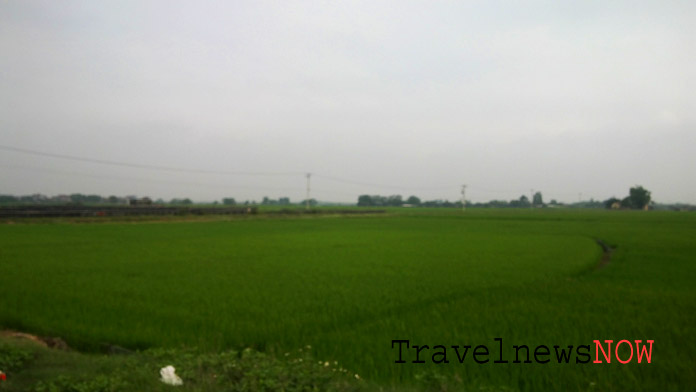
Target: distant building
62, 199
38, 198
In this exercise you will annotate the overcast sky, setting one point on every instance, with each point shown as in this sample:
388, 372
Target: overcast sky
575, 99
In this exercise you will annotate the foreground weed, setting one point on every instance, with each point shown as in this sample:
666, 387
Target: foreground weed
100, 383
251, 370
13, 357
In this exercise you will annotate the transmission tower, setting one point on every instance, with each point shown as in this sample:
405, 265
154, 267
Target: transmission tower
307, 200
463, 197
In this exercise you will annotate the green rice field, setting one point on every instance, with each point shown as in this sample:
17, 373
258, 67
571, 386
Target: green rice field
349, 285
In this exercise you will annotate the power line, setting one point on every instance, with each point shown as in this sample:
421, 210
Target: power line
229, 173
143, 180
331, 192
351, 182
200, 184
201, 171
143, 166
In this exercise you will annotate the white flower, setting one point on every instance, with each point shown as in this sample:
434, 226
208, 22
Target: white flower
357, 377
169, 376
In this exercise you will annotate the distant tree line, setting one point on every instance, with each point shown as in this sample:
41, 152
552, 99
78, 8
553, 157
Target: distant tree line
79, 198
83, 199
75, 198
266, 201
283, 201
638, 199
398, 201
414, 201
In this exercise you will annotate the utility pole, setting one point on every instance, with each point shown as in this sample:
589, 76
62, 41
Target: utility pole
307, 200
463, 197
531, 201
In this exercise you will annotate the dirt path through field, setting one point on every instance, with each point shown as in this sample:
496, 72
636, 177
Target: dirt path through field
606, 253
56, 343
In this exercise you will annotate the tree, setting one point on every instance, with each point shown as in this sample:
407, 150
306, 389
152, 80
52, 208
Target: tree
8, 199
378, 200
395, 201
77, 198
537, 200
229, 201
498, 204
93, 199
639, 197
413, 200
522, 202
312, 202
365, 201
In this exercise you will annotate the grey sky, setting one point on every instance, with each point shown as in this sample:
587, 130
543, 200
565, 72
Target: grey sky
392, 97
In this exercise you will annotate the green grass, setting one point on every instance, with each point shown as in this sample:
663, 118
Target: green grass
33, 368
348, 286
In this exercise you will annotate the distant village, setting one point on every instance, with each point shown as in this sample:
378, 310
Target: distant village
638, 199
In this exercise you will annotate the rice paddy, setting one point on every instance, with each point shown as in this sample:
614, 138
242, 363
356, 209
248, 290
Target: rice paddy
349, 286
